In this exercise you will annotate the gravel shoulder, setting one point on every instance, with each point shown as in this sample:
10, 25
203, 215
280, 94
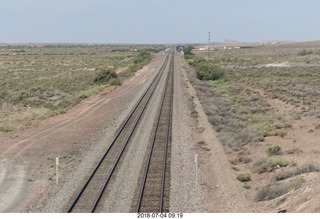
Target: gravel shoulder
218, 190
185, 195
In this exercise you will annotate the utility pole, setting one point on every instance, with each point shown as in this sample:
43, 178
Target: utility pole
209, 36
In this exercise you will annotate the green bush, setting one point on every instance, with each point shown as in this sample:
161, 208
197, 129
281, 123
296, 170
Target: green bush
187, 51
115, 81
5, 128
297, 182
207, 70
141, 59
271, 164
246, 186
273, 149
104, 76
244, 177
305, 52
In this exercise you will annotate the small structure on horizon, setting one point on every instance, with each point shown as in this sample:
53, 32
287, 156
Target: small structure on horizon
180, 48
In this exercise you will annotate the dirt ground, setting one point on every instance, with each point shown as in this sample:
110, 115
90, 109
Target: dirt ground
304, 138
27, 158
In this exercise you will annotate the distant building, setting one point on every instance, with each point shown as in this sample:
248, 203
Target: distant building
180, 48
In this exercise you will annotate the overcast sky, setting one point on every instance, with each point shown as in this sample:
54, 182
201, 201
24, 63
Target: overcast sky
158, 21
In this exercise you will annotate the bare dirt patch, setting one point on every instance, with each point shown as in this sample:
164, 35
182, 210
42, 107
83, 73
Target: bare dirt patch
282, 64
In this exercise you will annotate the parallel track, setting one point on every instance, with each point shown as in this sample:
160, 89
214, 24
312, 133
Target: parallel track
89, 196
154, 190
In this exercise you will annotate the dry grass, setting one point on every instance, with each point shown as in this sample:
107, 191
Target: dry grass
270, 192
274, 149
54, 78
264, 93
269, 165
306, 168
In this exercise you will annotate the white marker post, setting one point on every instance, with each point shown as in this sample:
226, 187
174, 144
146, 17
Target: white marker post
196, 162
57, 168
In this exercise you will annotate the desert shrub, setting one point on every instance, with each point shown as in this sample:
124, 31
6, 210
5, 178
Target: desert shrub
241, 159
274, 191
5, 128
261, 128
305, 52
115, 81
270, 165
271, 192
244, 177
64, 104
280, 133
207, 70
104, 76
77, 99
297, 182
294, 151
187, 51
141, 57
306, 168
246, 186
273, 149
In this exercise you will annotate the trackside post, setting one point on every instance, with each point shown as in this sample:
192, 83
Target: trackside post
57, 170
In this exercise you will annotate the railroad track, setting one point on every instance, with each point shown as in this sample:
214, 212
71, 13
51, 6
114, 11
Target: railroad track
89, 197
155, 183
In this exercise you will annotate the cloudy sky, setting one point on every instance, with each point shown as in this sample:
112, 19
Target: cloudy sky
158, 21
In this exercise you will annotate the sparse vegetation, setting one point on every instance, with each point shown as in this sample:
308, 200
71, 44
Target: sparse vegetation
5, 128
140, 59
246, 186
297, 182
305, 52
273, 149
274, 191
306, 168
244, 177
45, 81
270, 165
207, 70
188, 52
262, 97
240, 159
105, 76
294, 151
271, 192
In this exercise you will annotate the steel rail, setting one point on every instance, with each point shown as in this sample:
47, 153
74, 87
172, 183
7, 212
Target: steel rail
146, 171
160, 73
167, 140
119, 156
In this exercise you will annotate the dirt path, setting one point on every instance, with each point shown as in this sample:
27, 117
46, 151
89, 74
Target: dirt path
27, 157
